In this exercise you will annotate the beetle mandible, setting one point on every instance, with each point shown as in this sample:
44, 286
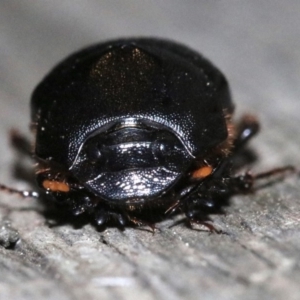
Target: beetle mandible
129, 127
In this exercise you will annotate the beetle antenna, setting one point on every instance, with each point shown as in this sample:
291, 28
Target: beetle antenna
23, 194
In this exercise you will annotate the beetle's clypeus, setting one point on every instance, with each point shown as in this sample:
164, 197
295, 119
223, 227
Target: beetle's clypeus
135, 127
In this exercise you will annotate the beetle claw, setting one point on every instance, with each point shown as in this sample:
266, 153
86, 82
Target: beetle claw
209, 226
139, 222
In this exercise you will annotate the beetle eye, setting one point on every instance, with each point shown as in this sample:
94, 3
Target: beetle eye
93, 153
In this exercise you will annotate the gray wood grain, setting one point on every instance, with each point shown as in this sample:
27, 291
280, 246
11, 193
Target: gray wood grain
256, 44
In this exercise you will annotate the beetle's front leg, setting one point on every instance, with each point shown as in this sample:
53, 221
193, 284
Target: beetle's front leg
104, 214
210, 194
196, 209
203, 199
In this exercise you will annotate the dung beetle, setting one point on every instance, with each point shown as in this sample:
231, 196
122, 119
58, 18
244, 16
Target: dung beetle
132, 128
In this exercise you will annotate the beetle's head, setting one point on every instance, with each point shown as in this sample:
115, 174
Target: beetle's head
130, 161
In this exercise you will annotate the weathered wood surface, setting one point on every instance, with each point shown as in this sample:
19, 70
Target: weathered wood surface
256, 43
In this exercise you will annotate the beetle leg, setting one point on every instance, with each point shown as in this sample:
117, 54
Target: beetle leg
101, 217
205, 223
276, 171
246, 129
23, 194
244, 183
104, 215
206, 198
196, 209
211, 194
140, 222
20, 142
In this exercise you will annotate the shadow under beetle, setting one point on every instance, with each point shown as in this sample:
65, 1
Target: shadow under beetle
130, 127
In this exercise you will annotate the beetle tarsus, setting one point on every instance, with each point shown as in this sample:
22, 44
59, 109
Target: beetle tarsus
245, 183
139, 222
275, 171
208, 225
23, 194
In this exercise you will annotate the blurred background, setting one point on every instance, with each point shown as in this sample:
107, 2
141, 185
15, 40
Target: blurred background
255, 43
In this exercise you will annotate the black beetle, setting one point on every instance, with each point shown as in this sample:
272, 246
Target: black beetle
134, 126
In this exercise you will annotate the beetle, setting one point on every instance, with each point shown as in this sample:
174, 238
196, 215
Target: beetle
130, 128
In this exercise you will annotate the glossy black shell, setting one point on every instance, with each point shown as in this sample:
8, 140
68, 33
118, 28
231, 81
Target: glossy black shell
130, 80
